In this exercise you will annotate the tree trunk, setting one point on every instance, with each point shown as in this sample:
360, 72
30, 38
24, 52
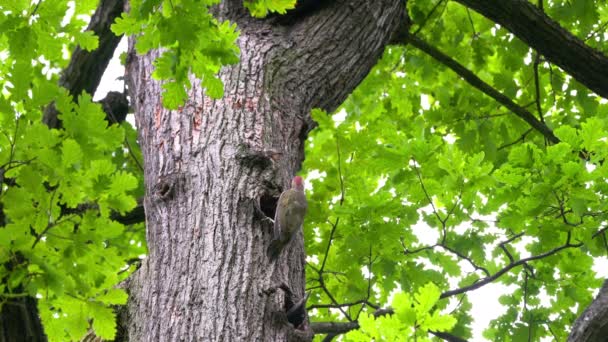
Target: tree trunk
19, 321
592, 324
212, 164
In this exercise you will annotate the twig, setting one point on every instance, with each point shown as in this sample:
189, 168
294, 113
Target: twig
506, 269
428, 16
426, 193
522, 138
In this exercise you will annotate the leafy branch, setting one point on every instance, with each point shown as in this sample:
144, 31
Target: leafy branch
530, 24
487, 89
509, 267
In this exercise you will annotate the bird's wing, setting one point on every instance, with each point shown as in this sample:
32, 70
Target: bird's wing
278, 220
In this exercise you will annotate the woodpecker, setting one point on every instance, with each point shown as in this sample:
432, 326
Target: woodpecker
289, 217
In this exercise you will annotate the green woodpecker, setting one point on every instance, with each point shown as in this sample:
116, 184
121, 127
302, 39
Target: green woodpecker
289, 217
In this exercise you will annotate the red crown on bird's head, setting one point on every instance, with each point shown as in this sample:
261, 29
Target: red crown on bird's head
297, 183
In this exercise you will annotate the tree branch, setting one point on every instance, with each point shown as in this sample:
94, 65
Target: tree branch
87, 67
478, 83
137, 215
507, 268
532, 26
335, 328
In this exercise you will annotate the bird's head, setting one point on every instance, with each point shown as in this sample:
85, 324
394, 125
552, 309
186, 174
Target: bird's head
297, 183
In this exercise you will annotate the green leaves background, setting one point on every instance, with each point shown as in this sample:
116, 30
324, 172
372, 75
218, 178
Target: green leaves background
416, 146
59, 187
415, 152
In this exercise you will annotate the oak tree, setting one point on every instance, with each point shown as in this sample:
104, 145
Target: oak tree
449, 145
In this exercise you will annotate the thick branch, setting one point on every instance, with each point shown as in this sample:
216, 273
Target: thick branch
531, 25
86, 67
487, 89
333, 327
137, 215
336, 328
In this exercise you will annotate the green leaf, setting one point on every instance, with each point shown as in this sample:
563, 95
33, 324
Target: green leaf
426, 297
87, 40
104, 321
174, 95
438, 322
126, 25
113, 297
71, 153
260, 8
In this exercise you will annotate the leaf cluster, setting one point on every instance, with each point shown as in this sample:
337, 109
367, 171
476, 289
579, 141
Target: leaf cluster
59, 187
192, 41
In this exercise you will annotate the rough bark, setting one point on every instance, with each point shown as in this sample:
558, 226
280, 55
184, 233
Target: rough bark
207, 167
558, 45
592, 325
19, 321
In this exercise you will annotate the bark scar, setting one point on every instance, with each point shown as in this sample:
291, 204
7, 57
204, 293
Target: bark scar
164, 190
251, 157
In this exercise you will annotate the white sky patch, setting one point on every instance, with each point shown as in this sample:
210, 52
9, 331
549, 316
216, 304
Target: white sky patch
485, 307
313, 174
317, 234
391, 296
461, 228
5, 89
521, 243
428, 265
600, 267
46, 69
109, 80
566, 83
312, 259
69, 13
425, 102
358, 127
425, 234
528, 58
339, 117
449, 138
393, 192
545, 299
65, 54
366, 273
381, 182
